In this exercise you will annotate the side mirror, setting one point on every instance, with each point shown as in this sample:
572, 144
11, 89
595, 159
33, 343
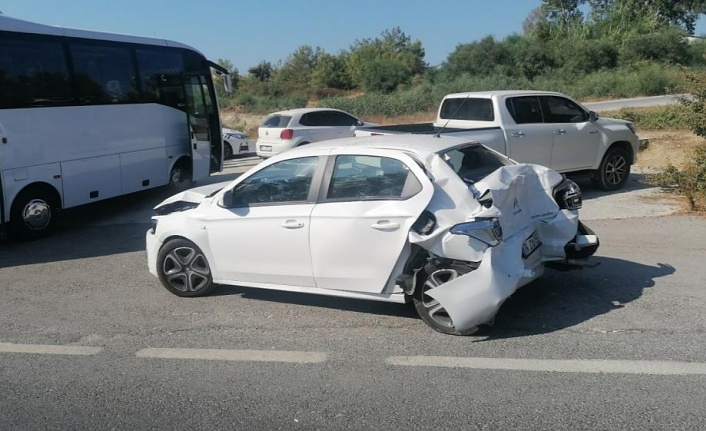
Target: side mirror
228, 198
232, 199
228, 83
593, 116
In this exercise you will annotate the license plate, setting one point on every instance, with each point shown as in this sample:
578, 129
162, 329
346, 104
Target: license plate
531, 245
265, 148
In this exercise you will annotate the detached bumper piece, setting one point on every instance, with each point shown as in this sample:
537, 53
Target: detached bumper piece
578, 250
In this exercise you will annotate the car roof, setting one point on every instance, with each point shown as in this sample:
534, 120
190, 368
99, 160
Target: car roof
422, 145
489, 94
303, 111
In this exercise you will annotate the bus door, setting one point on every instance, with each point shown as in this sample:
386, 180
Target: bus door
197, 111
3, 142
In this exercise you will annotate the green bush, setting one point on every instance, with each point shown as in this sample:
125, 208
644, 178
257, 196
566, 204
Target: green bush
657, 118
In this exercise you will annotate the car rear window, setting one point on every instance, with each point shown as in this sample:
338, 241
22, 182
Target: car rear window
467, 108
276, 121
472, 163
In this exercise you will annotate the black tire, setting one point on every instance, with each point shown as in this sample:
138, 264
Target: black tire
180, 176
428, 309
614, 170
227, 151
33, 214
183, 269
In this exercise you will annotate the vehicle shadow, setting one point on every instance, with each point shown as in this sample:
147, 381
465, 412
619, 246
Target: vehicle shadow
322, 301
560, 300
636, 181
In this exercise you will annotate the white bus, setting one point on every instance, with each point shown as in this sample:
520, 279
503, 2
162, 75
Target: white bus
86, 116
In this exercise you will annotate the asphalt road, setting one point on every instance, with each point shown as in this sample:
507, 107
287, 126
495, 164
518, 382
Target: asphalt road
90, 340
637, 102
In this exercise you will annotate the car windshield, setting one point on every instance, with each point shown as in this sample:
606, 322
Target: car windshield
276, 121
472, 163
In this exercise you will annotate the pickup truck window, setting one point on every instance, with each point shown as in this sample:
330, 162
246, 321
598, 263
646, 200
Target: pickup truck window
525, 110
561, 110
466, 108
472, 163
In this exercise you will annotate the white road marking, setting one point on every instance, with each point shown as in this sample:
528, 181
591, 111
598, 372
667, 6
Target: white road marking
235, 355
558, 366
48, 349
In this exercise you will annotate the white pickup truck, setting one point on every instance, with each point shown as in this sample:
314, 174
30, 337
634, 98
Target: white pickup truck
539, 127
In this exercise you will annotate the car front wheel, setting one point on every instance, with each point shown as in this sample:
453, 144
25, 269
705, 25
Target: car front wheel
183, 269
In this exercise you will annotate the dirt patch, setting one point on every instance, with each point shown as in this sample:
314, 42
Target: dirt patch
667, 146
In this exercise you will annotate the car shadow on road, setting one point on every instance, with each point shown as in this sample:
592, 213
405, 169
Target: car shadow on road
322, 301
560, 300
636, 181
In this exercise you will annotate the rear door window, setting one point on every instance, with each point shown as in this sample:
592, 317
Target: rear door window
358, 177
525, 110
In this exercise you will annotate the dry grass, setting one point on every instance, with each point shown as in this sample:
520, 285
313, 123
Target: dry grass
668, 146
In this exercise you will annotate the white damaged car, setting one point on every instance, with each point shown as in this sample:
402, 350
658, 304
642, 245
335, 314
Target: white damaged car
452, 226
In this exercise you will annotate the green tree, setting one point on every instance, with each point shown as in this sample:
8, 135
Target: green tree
296, 71
385, 75
262, 72
478, 58
330, 73
392, 44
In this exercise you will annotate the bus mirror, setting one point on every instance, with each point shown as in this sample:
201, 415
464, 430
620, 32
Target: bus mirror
228, 83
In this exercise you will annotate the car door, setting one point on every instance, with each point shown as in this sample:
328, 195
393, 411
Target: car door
576, 138
367, 204
318, 126
262, 234
345, 124
529, 140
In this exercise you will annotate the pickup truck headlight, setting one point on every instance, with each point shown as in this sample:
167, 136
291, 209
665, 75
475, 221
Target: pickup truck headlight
568, 195
631, 126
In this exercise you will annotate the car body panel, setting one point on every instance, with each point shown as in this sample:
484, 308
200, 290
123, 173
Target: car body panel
354, 225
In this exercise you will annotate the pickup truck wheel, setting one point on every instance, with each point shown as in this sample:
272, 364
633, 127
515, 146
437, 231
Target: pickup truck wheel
614, 170
429, 309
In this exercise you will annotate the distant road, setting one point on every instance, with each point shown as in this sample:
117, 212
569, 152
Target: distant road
638, 102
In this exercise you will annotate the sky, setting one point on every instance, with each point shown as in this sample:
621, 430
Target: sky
247, 32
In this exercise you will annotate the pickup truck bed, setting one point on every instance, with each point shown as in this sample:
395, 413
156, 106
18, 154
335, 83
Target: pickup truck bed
417, 129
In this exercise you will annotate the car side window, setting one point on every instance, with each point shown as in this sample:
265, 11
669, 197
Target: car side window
315, 119
562, 110
287, 181
525, 110
358, 177
342, 119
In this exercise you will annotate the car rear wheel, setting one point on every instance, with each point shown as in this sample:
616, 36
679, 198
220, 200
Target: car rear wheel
614, 170
428, 308
183, 269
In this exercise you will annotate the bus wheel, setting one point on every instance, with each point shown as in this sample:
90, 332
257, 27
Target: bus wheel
180, 175
33, 214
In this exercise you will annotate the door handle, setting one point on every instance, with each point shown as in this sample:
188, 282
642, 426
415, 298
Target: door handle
292, 224
560, 132
517, 134
4, 140
195, 146
593, 132
385, 225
